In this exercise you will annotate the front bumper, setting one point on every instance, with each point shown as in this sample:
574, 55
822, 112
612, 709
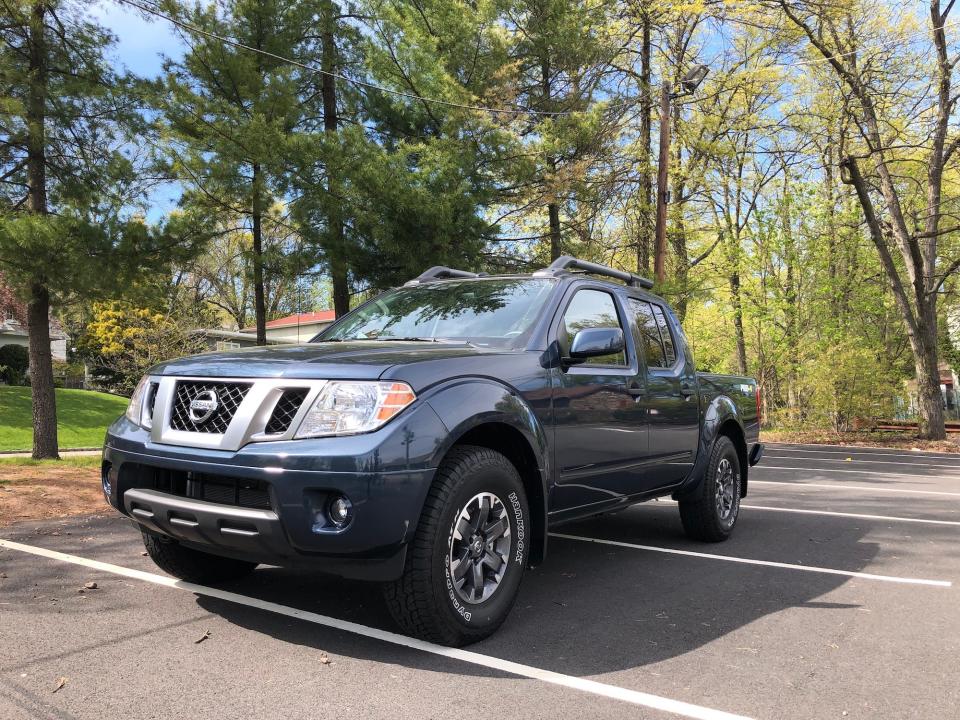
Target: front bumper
386, 475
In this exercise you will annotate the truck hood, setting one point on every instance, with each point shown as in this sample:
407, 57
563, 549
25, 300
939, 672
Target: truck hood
365, 360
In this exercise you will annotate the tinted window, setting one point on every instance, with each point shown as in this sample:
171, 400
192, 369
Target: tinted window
486, 312
592, 309
665, 335
649, 334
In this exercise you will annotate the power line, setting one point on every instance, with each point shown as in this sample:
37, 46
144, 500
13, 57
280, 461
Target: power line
353, 81
480, 108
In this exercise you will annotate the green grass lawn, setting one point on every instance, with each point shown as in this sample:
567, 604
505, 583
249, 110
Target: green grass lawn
82, 417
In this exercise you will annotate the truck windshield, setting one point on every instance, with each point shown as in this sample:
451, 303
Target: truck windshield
496, 312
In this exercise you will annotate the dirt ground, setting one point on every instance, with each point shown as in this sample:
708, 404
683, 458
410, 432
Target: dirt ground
39, 492
877, 439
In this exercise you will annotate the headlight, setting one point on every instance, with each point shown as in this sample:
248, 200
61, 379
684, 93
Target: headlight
135, 408
347, 408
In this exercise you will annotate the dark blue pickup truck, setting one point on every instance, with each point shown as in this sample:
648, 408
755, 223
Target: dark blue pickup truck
430, 438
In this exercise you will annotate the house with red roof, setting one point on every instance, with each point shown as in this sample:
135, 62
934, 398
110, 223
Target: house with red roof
298, 328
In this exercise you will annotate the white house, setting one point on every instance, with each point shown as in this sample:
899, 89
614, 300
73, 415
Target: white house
12, 333
295, 328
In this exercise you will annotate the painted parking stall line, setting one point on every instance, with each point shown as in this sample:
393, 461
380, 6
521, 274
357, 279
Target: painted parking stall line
858, 488
867, 452
765, 563
634, 697
859, 516
882, 473
845, 461
830, 513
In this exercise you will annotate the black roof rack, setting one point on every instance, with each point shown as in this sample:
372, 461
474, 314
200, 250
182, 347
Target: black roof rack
566, 262
439, 272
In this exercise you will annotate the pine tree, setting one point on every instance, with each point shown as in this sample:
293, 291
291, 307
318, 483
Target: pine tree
67, 178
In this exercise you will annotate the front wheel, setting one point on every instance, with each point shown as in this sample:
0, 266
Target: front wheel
711, 516
467, 558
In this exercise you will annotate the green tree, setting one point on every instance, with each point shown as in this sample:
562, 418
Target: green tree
69, 178
234, 114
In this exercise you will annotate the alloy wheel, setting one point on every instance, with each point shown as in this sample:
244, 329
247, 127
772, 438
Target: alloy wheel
726, 492
479, 548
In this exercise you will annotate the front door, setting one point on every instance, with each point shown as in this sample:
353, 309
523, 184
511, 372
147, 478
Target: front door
599, 419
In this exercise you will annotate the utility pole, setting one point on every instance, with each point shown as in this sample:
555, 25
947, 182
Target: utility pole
689, 83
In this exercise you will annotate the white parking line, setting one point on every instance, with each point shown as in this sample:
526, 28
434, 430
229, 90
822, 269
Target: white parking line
858, 472
634, 697
752, 561
891, 518
847, 450
861, 488
668, 503
955, 466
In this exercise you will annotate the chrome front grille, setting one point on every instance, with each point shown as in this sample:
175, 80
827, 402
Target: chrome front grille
228, 413
227, 396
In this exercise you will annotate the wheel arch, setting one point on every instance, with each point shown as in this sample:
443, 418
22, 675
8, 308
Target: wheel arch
732, 429
720, 418
487, 414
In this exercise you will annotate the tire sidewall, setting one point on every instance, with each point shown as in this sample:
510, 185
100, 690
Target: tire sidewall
501, 480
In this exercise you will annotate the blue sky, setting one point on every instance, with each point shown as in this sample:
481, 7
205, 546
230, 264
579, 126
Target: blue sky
140, 45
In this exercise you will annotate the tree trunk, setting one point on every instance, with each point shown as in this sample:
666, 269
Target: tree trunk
259, 296
927, 366
38, 308
336, 247
553, 207
644, 236
921, 326
738, 321
41, 375
553, 211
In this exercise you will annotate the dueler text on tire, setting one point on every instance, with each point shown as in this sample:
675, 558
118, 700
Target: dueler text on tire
193, 565
465, 563
711, 516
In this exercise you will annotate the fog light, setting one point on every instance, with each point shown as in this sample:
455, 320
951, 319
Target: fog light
340, 510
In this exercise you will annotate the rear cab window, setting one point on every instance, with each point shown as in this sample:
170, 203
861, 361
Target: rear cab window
655, 337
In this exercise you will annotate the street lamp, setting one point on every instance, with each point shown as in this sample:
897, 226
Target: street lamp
690, 82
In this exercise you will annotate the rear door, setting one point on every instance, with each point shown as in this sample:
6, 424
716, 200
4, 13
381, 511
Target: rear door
671, 399
600, 433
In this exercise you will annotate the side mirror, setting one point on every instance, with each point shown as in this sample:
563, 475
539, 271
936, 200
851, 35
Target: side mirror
594, 342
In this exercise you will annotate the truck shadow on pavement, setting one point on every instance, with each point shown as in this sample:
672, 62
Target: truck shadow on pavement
592, 609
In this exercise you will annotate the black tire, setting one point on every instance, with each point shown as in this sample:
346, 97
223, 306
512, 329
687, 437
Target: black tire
192, 565
428, 600
712, 515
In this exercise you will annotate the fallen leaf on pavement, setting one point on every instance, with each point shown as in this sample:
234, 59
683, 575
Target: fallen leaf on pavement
61, 681
324, 660
206, 635
91, 585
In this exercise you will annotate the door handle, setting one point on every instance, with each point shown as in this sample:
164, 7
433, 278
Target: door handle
686, 388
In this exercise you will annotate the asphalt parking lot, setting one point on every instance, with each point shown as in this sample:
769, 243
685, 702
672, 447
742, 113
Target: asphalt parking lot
837, 597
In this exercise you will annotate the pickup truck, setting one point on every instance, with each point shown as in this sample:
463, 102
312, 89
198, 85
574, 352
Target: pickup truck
430, 438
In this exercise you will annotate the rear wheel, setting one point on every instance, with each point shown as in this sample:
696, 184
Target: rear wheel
712, 516
193, 565
466, 561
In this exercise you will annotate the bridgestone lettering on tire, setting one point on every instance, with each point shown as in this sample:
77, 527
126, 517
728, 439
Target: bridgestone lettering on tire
711, 517
467, 557
192, 565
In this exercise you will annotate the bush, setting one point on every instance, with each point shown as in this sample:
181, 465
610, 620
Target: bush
15, 361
